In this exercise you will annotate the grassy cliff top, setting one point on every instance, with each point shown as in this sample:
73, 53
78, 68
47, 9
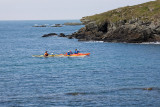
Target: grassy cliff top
149, 11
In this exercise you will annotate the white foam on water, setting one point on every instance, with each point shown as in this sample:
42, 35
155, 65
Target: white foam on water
93, 41
147, 43
157, 43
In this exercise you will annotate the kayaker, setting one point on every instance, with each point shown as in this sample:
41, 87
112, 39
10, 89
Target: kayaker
69, 53
46, 54
76, 51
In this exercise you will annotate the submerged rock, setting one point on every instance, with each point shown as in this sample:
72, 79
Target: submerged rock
75, 93
147, 88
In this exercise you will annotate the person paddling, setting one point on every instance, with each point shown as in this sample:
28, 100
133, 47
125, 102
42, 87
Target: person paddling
76, 51
69, 53
46, 54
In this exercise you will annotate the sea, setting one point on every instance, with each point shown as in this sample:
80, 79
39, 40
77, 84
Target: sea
114, 75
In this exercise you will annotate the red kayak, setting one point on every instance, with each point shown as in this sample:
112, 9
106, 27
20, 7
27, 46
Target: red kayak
79, 54
64, 55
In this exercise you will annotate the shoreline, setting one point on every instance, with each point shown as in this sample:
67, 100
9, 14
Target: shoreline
98, 41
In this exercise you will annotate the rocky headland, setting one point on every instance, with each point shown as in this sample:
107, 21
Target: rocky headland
131, 24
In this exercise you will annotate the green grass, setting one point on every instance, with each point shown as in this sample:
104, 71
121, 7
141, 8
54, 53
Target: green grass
149, 11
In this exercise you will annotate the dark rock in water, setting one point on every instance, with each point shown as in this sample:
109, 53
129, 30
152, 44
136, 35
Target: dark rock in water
62, 35
75, 93
50, 34
69, 37
147, 88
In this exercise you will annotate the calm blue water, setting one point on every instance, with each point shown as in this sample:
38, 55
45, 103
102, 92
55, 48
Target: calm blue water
113, 75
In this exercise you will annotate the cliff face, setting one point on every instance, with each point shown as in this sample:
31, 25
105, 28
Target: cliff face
132, 24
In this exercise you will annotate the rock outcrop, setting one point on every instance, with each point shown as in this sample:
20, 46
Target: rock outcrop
62, 35
132, 24
59, 35
50, 34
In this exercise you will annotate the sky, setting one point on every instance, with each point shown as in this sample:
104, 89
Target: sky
58, 9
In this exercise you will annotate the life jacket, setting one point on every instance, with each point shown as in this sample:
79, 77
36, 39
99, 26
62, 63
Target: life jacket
76, 52
68, 53
46, 54
71, 52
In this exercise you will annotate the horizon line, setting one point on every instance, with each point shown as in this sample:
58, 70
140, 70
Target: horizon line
35, 19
